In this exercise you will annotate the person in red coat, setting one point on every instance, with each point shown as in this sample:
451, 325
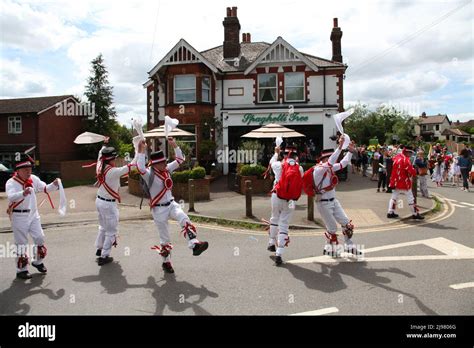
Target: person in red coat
401, 181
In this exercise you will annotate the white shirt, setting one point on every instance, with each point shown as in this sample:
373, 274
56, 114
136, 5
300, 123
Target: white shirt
321, 168
15, 192
112, 178
158, 184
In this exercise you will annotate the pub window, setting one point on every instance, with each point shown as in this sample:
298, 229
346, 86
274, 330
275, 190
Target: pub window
206, 89
267, 88
185, 89
14, 125
294, 87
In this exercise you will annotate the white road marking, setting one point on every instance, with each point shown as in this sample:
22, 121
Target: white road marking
450, 249
319, 311
462, 285
458, 205
467, 203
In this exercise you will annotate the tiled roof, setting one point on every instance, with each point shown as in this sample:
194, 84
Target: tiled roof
249, 53
432, 119
28, 105
455, 131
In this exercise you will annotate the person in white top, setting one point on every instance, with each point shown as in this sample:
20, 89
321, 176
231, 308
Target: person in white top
325, 181
108, 180
23, 212
282, 208
163, 206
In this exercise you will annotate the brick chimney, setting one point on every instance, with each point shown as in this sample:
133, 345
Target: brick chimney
336, 35
423, 114
231, 34
246, 38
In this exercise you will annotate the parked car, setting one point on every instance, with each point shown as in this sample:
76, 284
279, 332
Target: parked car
6, 172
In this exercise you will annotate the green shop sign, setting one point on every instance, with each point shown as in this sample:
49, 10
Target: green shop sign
274, 118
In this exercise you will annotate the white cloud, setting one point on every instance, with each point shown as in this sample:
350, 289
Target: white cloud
17, 80
33, 30
462, 117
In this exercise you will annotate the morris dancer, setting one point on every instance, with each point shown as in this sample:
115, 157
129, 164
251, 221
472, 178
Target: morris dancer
162, 203
323, 179
23, 212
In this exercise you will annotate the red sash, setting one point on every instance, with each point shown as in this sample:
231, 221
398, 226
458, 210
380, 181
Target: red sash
101, 179
167, 185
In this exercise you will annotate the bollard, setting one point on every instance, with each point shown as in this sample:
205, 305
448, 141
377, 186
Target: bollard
248, 198
191, 195
310, 208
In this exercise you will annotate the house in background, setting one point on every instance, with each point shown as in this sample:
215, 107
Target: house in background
46, 126
457, 135
221, 93
431, 128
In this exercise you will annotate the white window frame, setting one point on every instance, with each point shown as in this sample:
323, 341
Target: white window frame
259, 88
184, 89
286, 86
12, 122
202, 88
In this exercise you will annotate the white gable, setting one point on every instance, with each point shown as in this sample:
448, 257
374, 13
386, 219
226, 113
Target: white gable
279, 52
182, 53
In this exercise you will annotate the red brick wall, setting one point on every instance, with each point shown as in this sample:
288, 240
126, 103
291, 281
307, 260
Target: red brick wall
28, 135
56, 138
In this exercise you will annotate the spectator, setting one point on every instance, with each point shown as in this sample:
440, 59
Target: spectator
355, 157
421, 166
388, 168
382, 169
364, 161
465, 163
375, 164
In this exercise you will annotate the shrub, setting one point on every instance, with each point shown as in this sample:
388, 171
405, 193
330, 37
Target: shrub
249, 170
181, 177
198, 173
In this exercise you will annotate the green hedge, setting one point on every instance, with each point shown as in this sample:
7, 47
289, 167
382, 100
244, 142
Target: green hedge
250, 170
185, 175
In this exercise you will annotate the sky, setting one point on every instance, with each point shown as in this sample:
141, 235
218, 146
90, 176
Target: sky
414, 55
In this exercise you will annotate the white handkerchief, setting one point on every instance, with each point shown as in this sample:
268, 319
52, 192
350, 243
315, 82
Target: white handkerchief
278, 141
338, 118
170, 124
62, 199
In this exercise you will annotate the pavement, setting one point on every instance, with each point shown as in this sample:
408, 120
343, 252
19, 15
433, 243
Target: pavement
358, 196
409, 268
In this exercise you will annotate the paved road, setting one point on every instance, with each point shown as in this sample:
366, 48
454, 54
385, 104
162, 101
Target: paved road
237, 276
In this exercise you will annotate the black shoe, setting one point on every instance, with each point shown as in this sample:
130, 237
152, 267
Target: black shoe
271, 248
417, 217
353, 251
41, 268
105, 260
392, 216
98, 253
23, 275
167, 267
278, 260
199, 248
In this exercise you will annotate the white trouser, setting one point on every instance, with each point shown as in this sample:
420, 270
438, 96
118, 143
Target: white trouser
22, 225
175, 212
108, 225
332, 213
280, 222
392, 204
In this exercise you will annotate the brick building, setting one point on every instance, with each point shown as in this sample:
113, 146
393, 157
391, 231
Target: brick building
47, 125
224, 92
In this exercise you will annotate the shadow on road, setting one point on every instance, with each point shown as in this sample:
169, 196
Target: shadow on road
330, 278
178, 296
11, 299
